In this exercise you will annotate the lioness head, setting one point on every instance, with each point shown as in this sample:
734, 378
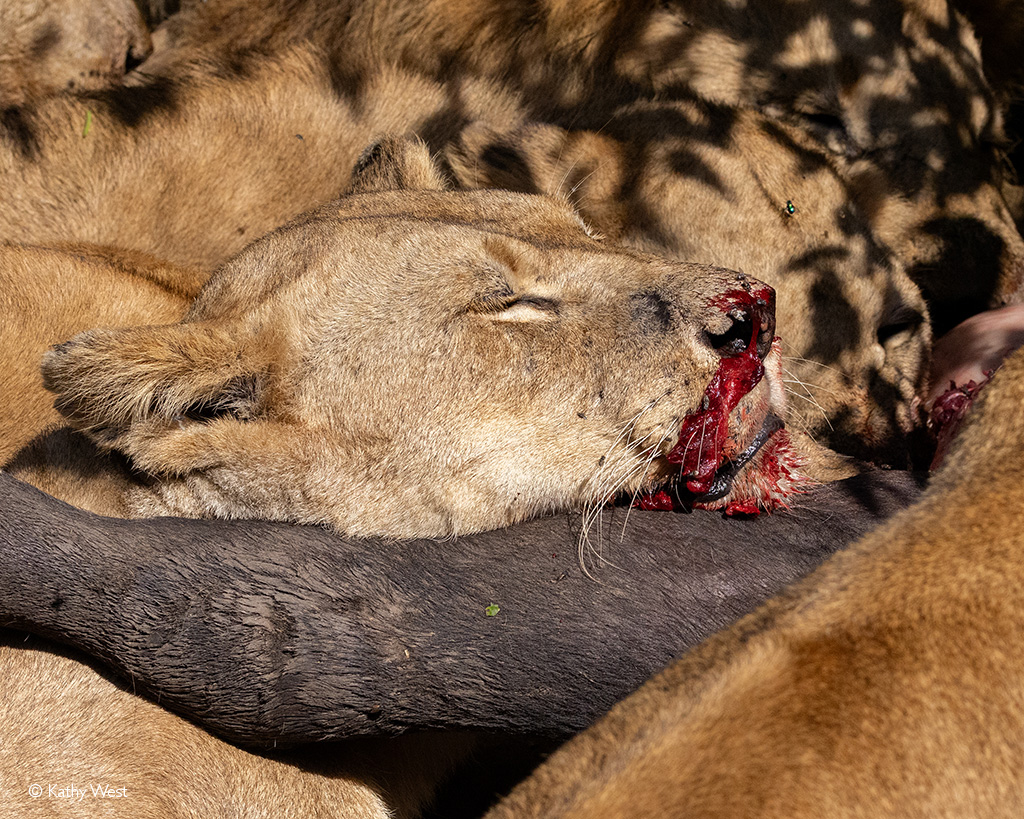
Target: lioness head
424, 362
731, 187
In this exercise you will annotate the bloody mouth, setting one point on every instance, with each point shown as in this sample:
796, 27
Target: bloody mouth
727, 472
701, 446
709, 460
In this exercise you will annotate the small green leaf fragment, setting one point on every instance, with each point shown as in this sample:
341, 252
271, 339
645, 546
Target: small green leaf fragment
491, 610
88, 123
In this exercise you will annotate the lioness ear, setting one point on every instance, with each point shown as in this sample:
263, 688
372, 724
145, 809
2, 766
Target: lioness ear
397, 163
581, 166
108, 380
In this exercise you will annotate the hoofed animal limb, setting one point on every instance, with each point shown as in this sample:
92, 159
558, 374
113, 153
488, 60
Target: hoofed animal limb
269, 633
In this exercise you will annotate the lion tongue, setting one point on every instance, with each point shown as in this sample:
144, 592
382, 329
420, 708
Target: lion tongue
701, 444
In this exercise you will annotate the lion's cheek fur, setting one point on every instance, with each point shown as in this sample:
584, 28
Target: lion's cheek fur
435, 481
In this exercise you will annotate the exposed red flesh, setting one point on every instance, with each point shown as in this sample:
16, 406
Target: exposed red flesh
703, 443
948, 413
742, 508
768, 481
660, 501
701, 447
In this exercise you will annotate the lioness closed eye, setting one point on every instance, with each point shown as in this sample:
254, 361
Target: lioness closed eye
413, 363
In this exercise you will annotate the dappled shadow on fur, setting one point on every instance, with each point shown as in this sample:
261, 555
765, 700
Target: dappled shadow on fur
67, 45
895, 87
693, 180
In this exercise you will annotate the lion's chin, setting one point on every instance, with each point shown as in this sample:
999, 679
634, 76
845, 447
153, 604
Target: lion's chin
725, 478
767, 474
762, 478
737, 455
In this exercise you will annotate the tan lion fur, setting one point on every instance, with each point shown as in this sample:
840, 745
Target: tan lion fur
49, 294
894, 91
53, 45
68, 724
854, 327
999, 25
193, 168
516, 268
886, 684
133, 180
130, 180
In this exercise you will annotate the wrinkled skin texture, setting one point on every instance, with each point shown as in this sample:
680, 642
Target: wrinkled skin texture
885, 684
50, 46
856, 331
893, 91
564, 654
68, 722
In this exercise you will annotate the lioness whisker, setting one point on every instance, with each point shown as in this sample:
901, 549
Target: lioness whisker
596, 508
585, 544
700, 447
565, 175
812, 361
630, 425
807, 384
794, 378
577, 186
809, 398
636, 492
600, 482
606, 486
796, 422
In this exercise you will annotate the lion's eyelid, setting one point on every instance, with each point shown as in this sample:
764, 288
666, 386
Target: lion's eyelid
528, 308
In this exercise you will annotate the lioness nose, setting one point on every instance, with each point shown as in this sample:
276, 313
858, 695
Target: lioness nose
751, 313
